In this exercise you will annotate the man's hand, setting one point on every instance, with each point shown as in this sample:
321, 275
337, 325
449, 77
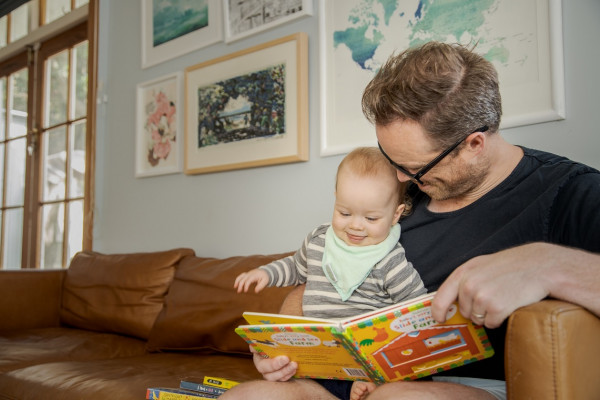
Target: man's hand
274, 369
489, 288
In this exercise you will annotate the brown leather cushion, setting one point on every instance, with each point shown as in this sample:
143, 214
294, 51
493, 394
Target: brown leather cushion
120, 379
202, 309
120, 293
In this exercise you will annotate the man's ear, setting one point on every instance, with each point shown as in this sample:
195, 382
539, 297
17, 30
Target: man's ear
476, 141
398, 213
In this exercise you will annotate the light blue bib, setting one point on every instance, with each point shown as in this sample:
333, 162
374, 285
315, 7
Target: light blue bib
347, 267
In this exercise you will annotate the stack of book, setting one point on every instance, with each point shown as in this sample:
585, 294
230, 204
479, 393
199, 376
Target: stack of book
192, 389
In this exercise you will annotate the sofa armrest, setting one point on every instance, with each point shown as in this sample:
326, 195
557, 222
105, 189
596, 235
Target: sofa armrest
30, 298
552, 352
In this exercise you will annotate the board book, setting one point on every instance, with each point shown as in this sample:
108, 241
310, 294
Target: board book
160, 393
398, 342
208, 384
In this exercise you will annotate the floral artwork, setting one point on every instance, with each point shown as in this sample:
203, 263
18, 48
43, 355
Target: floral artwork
157, 141
160, 126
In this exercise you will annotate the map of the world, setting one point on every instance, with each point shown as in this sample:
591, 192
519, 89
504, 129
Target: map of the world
361, 34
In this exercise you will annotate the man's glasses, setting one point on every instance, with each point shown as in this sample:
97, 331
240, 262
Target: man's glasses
434, 162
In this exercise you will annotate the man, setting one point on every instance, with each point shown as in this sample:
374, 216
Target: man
494, 225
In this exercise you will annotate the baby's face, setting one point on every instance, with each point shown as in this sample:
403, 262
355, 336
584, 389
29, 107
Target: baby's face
365, 209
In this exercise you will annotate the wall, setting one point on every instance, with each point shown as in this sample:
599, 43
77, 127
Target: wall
270, 209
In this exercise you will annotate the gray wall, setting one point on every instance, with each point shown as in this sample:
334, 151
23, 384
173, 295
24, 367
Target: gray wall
271, 209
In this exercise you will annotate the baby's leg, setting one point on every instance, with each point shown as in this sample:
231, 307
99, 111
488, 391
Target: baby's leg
361, 389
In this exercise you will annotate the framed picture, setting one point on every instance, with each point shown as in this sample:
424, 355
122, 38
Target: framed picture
522, 39
176, 27
247, 17
158, 127
249, 108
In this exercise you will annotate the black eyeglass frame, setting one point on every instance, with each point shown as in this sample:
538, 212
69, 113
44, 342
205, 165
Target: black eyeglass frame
417, 176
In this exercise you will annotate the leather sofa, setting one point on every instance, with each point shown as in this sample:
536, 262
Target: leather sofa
111, 326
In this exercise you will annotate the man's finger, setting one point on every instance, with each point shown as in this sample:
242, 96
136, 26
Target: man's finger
446, 295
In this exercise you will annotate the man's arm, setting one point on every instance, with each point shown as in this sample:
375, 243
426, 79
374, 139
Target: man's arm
497, 284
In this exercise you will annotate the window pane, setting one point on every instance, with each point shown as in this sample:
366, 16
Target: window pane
77, 158
52, 235
3, 31
56, 9
57, 75
54, 164
18, 102
15, 174
2, 108
19, 26
13, 235
75, 228
79, 3
80, 74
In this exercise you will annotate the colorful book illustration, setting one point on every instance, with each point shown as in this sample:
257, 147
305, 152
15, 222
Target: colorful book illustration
399, 342
176, 394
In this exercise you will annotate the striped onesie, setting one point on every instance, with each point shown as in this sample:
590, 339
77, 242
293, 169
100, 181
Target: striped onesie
390, 281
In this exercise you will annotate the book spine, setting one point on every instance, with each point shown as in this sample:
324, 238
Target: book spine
199, 387
158, 394
219, 382
351, 347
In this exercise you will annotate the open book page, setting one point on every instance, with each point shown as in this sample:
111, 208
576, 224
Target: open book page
399, 342
255, 318
318, 349
407, 343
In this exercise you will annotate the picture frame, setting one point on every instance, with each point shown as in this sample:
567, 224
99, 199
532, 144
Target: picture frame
159, 134
242, 19
169, 32
249, 108
527, 52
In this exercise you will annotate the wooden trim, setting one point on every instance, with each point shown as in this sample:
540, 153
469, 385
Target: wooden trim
90, 142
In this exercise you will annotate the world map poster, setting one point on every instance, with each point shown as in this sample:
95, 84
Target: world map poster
523, 39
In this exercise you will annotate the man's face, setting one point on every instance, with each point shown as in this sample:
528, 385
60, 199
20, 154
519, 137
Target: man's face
407, 145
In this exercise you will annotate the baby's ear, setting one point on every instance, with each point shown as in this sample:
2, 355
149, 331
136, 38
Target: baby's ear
398, 213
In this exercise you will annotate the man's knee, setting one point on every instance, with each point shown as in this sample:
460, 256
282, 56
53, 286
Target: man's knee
428, 390
290, 390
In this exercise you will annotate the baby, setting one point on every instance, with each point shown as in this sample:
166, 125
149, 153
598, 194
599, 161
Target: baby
354, 264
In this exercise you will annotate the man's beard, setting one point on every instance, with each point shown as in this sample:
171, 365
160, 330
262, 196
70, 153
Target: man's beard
461, 181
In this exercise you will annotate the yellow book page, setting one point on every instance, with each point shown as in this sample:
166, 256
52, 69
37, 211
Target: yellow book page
409, 344
316, 349
254, 318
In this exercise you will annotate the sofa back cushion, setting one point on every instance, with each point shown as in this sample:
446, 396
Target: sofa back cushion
202, 309
119, 293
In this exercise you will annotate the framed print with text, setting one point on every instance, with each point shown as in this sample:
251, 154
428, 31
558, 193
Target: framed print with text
248, 17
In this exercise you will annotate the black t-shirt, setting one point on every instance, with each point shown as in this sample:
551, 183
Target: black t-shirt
547, 198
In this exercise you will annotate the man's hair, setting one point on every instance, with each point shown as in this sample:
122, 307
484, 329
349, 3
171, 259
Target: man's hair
446, 88
368, 161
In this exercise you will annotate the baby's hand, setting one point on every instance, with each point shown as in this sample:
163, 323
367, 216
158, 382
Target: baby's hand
246, 279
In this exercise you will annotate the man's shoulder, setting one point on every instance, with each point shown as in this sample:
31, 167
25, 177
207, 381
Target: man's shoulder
551, 161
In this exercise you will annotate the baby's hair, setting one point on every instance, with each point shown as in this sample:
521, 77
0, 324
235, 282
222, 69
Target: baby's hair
368, 161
